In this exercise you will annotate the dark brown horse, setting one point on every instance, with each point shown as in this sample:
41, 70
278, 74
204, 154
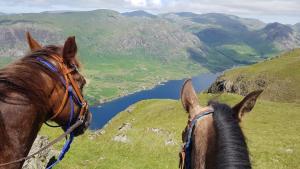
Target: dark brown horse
31, 94
216, 140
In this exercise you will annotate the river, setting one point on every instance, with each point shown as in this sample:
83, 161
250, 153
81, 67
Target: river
168, 90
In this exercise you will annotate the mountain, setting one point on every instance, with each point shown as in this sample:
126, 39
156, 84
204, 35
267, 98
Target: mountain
127, 52
120, 54
282, 36
217, 20
297, 27
139, 13
228, 39
278, 77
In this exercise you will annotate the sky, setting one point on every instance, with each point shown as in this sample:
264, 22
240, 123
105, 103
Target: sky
283, 11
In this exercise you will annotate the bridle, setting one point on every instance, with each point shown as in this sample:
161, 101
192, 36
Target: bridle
72, 92
69, 83
185, 153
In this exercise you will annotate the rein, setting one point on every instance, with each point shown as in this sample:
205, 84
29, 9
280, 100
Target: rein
70, 87
185, 153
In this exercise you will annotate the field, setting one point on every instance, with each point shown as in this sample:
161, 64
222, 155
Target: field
115, 76
153, 131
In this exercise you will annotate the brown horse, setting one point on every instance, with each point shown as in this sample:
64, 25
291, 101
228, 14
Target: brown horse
213, 138
31, 94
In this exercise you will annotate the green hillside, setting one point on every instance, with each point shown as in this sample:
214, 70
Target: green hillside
120, 54
279, 77
151, 135
123, 53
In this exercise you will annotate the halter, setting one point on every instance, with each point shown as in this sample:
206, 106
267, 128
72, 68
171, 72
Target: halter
72, 92
185, 154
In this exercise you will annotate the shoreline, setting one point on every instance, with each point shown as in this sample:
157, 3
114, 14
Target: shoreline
99, 103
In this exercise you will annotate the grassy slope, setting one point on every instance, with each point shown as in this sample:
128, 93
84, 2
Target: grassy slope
271, 130
120, 55
281, 74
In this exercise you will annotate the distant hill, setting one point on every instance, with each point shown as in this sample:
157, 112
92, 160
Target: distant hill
282, 36
145, 48
297, 27
139, 13
278, 77
215, 41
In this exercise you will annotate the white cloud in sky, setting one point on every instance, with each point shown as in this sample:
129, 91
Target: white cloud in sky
145, 3
286, 11
137, 3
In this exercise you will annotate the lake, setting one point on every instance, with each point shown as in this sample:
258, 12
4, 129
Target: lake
168, 90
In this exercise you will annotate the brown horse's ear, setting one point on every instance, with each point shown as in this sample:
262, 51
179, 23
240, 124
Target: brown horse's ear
246, 105
33, 44
70, 50
189, 98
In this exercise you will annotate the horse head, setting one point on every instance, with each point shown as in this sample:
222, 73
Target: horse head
66, 98
213, 137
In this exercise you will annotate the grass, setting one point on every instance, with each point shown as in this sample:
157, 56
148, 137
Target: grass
279, 76
271, 130
114, 76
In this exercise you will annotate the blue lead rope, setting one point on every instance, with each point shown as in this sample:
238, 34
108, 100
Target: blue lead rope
69, 141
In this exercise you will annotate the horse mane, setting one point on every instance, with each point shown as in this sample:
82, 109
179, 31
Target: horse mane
23, 77
232, 150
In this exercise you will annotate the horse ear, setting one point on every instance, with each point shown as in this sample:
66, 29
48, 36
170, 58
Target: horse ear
246, 105
189, 98
70, 49
33, 44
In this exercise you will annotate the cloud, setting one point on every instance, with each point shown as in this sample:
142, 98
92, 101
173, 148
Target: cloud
137, 3
145, 3
289, 9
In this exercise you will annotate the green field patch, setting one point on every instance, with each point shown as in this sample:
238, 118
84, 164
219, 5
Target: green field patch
154, 136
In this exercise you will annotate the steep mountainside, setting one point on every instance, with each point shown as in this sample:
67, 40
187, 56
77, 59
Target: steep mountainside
126, 52
120, 54
282, 36
228, 38
278, 77
297, 27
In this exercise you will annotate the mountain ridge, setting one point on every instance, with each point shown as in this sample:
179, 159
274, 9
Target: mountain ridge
113, 46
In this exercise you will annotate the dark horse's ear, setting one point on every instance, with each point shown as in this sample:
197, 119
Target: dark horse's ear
70, 50
246, 105
33, 44
189, 98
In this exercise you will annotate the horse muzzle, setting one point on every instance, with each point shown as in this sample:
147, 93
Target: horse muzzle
84, 126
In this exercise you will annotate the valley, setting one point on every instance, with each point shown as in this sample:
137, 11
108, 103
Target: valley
124, 53
148, 134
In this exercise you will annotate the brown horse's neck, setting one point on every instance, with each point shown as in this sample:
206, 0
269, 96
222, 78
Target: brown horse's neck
21, 128
204, 149
20, 121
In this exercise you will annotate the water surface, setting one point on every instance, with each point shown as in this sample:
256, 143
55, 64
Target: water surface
168, 90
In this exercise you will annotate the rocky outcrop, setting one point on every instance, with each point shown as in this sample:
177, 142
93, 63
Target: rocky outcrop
239, 85
41, 160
